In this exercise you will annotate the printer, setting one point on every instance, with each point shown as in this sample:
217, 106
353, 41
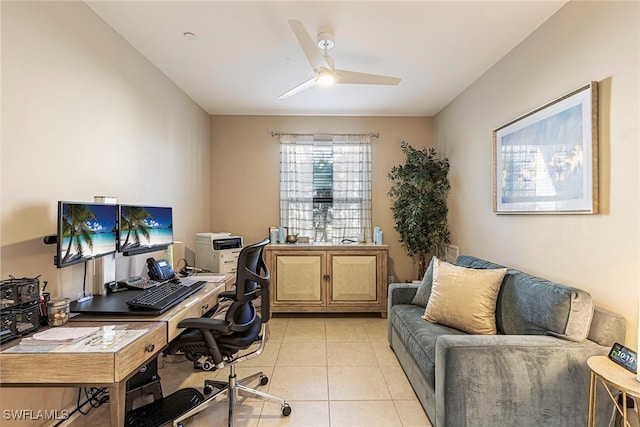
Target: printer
218, 252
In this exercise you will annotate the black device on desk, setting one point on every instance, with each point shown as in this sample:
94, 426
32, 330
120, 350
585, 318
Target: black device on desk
116, 303
165, 295
160, 270
135, 283
167, 292
138, 282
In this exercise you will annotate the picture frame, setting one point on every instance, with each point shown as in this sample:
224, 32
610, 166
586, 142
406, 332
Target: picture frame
546, 162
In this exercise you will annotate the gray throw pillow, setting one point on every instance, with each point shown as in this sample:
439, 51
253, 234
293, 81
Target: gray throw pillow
424, 289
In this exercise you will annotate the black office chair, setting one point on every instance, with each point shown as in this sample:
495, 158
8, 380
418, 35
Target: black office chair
215, 342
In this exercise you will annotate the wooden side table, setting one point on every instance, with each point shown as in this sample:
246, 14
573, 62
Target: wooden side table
614, 376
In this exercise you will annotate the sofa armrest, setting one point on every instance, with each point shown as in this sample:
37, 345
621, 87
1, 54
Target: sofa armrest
399, 293
519, 380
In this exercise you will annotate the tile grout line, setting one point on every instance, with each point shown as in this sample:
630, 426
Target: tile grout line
326, 356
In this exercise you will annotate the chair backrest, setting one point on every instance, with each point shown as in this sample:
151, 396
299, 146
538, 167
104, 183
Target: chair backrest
252, 281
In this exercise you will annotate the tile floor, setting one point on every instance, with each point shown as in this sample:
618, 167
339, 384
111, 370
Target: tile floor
333, 371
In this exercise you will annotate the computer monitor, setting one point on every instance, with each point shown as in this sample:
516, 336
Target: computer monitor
85, 231
144, 229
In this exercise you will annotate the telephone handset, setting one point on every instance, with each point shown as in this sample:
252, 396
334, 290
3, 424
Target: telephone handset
160, 270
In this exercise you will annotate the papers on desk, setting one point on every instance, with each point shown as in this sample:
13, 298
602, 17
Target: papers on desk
104, 342
59, 336
104, 339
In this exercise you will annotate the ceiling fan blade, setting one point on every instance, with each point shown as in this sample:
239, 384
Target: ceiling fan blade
354, 77
311, 50
330, 62
302, 86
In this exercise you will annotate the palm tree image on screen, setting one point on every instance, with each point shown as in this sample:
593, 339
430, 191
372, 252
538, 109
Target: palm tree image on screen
75, 226
134, 220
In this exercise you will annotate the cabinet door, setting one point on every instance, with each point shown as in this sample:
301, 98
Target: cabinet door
299, 278
354, 278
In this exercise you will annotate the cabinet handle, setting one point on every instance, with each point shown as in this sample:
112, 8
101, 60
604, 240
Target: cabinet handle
149, 348
326, 277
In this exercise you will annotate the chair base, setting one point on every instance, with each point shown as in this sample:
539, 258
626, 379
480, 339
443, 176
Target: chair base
231, 389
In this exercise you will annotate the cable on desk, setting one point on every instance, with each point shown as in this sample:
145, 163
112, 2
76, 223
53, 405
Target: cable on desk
187, 270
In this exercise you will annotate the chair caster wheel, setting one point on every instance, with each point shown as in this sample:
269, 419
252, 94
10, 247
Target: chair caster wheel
286, 410
207, 389
264, 380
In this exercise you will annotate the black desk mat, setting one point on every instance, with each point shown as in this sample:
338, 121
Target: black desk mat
116, 303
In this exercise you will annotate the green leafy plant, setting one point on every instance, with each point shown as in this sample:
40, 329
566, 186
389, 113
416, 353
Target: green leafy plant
419, 193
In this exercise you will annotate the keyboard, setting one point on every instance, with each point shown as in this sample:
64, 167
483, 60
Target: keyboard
164, 296
138, 282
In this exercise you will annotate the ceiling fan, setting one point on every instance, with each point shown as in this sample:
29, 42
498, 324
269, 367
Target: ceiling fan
324, 66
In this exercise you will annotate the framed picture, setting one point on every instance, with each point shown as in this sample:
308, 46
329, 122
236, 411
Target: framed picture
547, 160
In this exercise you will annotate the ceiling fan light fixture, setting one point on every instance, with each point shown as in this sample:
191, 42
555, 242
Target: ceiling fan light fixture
325, 40
323, 65
325, 77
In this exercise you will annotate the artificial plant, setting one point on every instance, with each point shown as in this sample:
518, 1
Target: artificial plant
419, 193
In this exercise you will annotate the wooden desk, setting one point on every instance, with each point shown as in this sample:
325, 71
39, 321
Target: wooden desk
611, 375
193, 306
112, 369
79, 368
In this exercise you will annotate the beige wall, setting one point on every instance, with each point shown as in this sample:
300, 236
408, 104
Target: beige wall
73, 90
245, 171
600, 253
85, 114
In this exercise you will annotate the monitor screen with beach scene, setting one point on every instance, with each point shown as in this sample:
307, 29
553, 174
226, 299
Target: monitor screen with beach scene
144, 228
85, 231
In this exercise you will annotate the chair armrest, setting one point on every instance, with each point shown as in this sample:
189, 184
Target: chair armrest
519, 380
227, 294
205, 324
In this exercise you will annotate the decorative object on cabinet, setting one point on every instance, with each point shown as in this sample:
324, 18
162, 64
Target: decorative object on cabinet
547, 160
419, 192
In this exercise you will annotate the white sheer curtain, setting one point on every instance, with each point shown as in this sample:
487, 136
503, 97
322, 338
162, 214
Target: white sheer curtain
351, 210
296, 183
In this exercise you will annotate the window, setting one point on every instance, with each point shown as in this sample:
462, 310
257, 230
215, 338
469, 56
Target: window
325, 186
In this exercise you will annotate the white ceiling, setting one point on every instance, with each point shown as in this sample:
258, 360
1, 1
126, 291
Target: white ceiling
245, 54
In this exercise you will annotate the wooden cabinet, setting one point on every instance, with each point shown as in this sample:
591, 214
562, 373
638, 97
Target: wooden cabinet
313, 278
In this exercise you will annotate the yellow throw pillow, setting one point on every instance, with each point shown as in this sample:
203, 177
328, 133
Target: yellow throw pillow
464, 298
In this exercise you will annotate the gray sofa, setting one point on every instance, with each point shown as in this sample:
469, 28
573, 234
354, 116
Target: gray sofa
532, 373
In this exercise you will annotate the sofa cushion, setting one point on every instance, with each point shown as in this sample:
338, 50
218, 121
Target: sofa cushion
464, 298
607, 327
424, 289
418, 336
529, 305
